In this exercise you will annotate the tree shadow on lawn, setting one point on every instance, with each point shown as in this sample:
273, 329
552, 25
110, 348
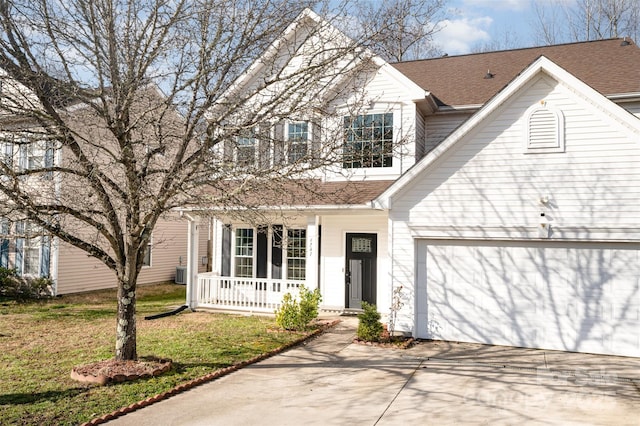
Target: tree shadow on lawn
35, 397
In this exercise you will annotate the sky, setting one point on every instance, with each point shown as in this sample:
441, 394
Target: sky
480, 22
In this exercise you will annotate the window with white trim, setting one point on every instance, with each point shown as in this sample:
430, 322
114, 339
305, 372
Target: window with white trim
5, 227
6, 153
368, 141
298, 141
32, 250
284, 250
296, 254
544, 130
244, 253
246, 150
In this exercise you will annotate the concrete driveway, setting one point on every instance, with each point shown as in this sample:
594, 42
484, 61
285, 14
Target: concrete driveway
331, 381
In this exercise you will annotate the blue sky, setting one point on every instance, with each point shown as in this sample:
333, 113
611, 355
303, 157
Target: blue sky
478, 22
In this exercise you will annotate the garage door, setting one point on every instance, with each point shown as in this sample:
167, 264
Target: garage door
564, 296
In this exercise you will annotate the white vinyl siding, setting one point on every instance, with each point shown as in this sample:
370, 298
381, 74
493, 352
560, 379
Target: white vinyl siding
438, 127
487, 184
488, 181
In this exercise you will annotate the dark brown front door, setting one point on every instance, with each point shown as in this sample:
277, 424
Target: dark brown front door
360, 269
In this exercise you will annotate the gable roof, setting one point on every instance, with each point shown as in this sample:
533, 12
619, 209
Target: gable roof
626, 120
609, 66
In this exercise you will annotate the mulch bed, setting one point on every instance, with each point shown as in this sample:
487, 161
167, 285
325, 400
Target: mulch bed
112, 371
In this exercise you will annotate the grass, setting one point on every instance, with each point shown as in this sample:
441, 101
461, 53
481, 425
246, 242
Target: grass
42, 341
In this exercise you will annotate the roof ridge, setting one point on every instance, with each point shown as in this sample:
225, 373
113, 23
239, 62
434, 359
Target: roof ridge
549, 46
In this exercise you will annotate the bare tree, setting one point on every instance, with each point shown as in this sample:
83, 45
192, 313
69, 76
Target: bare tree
114, 112
507, 40
401, 30
584, 20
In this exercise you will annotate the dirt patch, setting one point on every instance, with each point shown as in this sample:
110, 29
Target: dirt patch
112, 371
395, 342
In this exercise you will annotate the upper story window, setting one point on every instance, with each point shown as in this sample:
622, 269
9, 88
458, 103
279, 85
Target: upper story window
298, 137
6, 153
246, 150
368, 141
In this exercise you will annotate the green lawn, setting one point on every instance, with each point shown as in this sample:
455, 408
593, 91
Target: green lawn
40, 342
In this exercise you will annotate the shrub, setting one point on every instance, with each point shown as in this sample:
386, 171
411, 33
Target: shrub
369, 325
15, 287
296, 315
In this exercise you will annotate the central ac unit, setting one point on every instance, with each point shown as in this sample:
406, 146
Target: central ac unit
181, 275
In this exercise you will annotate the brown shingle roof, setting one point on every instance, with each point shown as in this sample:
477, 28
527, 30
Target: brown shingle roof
606, 65
297, 193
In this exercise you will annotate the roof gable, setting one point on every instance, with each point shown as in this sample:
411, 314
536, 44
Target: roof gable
620, 116
609, 66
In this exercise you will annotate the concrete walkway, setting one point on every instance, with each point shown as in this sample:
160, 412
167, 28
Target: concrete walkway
331, 381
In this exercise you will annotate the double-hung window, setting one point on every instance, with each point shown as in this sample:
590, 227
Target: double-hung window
296, 254
368, 141
246, 150
4, 242
6, 153
244, 253
32, 250
298, 138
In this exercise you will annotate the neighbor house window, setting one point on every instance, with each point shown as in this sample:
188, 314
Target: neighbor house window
298, 138
4, 242
296, 254
244, 253
147, 256
368, 141
32, 250
6, 153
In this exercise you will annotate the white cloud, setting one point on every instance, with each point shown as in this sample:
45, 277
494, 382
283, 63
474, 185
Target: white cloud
458, 36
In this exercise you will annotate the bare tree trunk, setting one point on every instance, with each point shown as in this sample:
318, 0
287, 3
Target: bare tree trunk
126, 319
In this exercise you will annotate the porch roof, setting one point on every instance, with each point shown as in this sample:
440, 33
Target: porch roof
294, 194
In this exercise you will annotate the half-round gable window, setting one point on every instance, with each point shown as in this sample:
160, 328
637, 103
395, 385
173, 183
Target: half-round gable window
544, 130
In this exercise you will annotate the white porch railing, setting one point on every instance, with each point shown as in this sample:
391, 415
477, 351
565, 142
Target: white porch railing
243, 294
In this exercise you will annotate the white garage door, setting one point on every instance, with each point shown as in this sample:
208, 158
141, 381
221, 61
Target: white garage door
565, 296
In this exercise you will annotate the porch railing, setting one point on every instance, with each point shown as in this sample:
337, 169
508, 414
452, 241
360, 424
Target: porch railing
243, 294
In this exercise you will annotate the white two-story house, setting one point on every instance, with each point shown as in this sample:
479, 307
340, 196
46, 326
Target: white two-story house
500, 190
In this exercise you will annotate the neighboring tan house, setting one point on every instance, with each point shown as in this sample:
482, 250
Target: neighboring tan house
510, 215
33, 253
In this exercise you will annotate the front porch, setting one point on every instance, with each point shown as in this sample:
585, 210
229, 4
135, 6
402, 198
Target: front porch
242, 294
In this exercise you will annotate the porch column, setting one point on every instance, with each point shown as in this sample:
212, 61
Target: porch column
312, 252
192, 260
